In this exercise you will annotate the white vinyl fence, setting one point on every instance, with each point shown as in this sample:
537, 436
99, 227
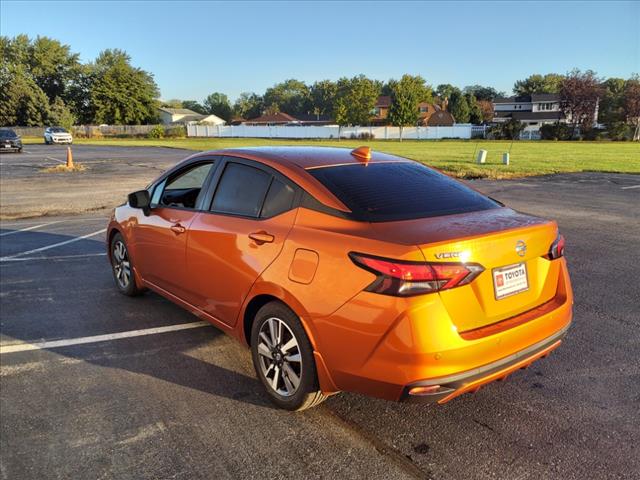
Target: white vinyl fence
380, 133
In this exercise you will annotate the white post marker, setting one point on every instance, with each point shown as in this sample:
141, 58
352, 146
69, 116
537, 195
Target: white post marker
505, 158
482, 156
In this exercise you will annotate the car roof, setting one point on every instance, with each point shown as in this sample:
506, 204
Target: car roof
310, 157
293, 162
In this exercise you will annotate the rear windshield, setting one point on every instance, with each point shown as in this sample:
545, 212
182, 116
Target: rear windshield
380, 192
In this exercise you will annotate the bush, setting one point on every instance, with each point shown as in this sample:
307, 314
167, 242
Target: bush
555, 131
156, 132
593, 134
366, 136
509, 130
179, 131
620, 131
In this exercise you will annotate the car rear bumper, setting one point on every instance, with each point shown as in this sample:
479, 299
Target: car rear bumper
383, 347
441, 390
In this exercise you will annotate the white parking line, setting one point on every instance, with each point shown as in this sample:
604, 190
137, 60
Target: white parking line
17, 223
27, 229
58, 257
48, 247
23, 347
630, 186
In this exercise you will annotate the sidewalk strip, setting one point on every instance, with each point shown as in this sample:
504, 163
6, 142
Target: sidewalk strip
27, 228
24, 347
48, 247
630, 186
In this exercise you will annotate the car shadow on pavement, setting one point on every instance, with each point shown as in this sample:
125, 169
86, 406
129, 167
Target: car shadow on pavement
182, 357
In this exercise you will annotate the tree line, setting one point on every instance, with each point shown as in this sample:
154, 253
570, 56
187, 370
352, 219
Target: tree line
43, 82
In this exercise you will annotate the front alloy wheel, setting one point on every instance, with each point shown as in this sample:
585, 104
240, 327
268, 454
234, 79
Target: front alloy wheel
122, 267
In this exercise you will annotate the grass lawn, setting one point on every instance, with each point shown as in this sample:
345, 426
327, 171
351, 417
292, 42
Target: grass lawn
456, 157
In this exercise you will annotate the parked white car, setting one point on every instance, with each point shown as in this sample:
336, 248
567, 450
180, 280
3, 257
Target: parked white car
57, 135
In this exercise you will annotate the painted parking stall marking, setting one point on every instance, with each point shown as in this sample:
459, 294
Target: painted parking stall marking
24, 347
58, 244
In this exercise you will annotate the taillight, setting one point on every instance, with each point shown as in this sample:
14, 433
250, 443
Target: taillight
405, 279
557, 248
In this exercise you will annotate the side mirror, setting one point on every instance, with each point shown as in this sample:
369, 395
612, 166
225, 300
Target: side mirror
140, 199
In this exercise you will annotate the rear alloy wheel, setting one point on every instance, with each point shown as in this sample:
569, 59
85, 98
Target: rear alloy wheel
283, 358
122, 268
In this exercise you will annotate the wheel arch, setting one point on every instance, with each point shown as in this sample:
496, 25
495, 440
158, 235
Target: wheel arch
264, 293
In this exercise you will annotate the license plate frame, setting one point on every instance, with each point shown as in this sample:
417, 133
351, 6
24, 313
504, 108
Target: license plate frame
504, 286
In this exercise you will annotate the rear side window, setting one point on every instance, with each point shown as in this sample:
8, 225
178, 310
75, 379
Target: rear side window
241, 190
279, 199
380, 192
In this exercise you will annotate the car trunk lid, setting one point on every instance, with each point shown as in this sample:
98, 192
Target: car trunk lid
495, 239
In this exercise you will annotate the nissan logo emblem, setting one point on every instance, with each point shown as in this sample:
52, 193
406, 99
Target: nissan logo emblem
521, 248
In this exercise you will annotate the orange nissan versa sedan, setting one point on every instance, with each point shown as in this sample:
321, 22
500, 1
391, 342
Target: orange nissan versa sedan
348, 270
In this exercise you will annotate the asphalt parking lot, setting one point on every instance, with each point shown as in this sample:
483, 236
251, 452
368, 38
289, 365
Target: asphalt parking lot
111, 173
185, 403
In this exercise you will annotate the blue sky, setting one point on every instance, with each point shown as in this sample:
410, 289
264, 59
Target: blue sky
195, 48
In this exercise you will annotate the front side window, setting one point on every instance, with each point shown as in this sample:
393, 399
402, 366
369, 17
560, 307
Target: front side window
241, 190
182, 189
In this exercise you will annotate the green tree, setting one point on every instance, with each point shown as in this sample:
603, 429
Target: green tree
121, 93
549, 83
459, 107
60, 114
611, 107
445, 90
52, 66
248, 105
218, 104
475, 111
22, 101
291, 96
406, 94
323, 95
355, 99
483, 93
194, 106
173, 103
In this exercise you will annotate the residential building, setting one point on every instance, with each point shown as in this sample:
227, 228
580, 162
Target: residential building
185, 116
533, 110
426, 111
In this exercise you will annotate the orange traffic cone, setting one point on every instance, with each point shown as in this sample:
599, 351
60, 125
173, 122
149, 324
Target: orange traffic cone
69, 158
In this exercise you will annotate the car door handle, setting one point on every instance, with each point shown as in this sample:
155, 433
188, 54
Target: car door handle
178, 229
261, 237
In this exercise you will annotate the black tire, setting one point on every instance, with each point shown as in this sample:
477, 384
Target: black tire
122, 267
307, 393
19, 150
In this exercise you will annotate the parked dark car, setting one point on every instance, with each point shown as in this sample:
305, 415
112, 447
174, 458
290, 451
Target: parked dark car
10, 140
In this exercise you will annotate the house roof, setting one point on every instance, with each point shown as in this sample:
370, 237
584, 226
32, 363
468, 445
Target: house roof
310, 118
178, 111
534, 97
383, 101
545, 97
278, 117
526, 116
